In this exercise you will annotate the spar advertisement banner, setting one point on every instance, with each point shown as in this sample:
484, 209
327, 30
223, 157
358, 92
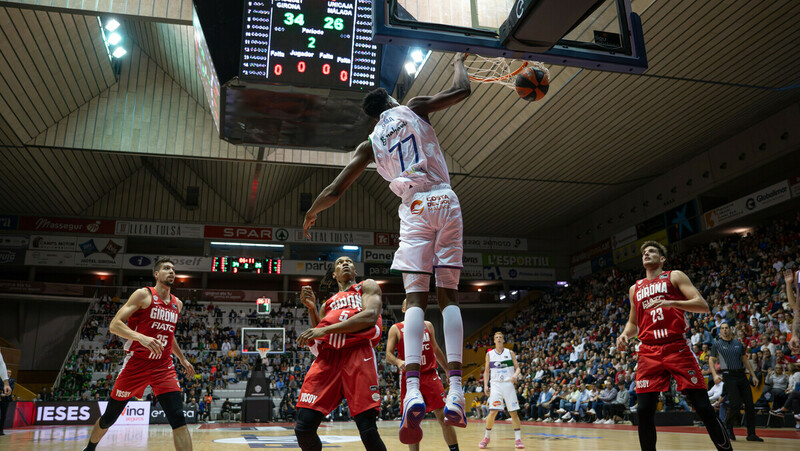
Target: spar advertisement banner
764, 198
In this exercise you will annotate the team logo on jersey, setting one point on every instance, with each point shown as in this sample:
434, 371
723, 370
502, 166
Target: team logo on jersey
691, 372
664, 276
373, 388
496, 404
417, 207
694, 380
155, 298
376, 397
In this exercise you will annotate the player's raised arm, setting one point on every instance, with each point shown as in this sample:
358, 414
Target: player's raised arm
631, 327
437, 351
391, 343
308, 299
330, 195
694, 302
139, 299
460, 90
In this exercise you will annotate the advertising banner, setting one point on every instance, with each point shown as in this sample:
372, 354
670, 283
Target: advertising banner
66, 225
387, 239
378, 255
12, 249
312, 267
157, 415
159, 229
24, 287
136, 412
472, 272
518, 260
682, 221
764, 198
373, 270
624, 237
238, 233
333, 237
182, 263
526, 274
590, 252
53, 243
50, 258
66, 413
495, 243
794, 187
14, 241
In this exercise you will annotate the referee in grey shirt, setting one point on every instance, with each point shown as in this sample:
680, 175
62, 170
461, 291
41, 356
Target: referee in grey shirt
733, 361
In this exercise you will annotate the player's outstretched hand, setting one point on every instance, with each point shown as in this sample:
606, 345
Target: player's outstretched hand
187, 366
308, 223
310, 334
794, 344
6, 389
459, 57
152, 344
622, 342
307, 297
788, 276
402, 366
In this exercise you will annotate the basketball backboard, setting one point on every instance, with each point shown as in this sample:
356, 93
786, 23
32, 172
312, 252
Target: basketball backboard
254, 337
594, 34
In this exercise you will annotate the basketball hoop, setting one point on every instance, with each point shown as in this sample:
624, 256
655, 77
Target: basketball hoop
263, 352
497, 70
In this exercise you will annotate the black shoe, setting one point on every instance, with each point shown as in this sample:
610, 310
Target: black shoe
754, 438
731, 435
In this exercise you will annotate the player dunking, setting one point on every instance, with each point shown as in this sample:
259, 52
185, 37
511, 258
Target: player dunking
346, 328
406, 151
148, 321
502, 370
429, 383
658, 303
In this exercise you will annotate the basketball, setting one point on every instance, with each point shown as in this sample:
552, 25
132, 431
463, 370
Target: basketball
532, 84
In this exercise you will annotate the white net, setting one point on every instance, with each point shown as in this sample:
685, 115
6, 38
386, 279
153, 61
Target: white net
502, 71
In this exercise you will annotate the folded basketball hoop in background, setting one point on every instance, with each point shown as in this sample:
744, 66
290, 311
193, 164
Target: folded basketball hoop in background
601, 35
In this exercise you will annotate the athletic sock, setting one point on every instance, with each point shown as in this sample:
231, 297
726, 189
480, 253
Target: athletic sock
455, 380
413, 331
412, 381
453, 333
517, 434
90, 446
453, 447
487, 432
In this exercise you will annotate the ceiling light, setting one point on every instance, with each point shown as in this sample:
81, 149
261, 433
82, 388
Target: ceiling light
119, 52
114, 38
225, 243
350, 248
417, 56
411, 68
112, 25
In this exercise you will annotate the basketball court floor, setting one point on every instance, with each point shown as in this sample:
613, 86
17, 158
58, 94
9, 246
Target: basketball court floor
344, 436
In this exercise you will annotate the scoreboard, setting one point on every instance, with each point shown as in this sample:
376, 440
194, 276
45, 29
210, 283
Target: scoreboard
249, 265
314, 43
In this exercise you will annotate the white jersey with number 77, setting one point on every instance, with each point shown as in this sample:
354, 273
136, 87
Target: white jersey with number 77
407, 151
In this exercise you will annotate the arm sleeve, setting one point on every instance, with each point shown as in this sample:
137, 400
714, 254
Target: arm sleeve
3, 369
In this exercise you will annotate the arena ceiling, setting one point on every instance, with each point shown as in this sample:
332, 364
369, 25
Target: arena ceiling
72, 130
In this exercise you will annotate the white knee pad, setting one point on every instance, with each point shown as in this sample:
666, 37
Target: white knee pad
416, 283
448, 277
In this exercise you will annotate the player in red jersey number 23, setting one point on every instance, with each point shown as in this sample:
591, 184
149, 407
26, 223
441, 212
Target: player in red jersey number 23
659, 303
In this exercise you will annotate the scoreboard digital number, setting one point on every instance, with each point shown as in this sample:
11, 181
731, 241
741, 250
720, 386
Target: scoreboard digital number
315, 43
243, 265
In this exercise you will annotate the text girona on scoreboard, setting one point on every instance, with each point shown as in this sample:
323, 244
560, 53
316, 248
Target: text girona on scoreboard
315, 43
246, 265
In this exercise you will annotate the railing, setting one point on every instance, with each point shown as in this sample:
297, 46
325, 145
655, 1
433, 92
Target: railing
74, 344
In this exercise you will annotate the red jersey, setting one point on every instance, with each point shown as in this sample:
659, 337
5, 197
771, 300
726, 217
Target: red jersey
662, 324
156, 321
338, 308
428, 358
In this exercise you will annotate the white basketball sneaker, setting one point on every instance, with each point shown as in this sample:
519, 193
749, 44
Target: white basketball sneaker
413, 413
454, 413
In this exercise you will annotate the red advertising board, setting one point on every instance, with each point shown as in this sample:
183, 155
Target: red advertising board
66, 225
238, 233
387, 239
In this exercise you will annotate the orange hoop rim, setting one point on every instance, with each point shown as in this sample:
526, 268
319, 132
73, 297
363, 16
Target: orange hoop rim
501, 78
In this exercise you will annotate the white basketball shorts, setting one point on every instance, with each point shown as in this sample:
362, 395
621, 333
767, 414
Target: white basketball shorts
503, 393
431, 231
